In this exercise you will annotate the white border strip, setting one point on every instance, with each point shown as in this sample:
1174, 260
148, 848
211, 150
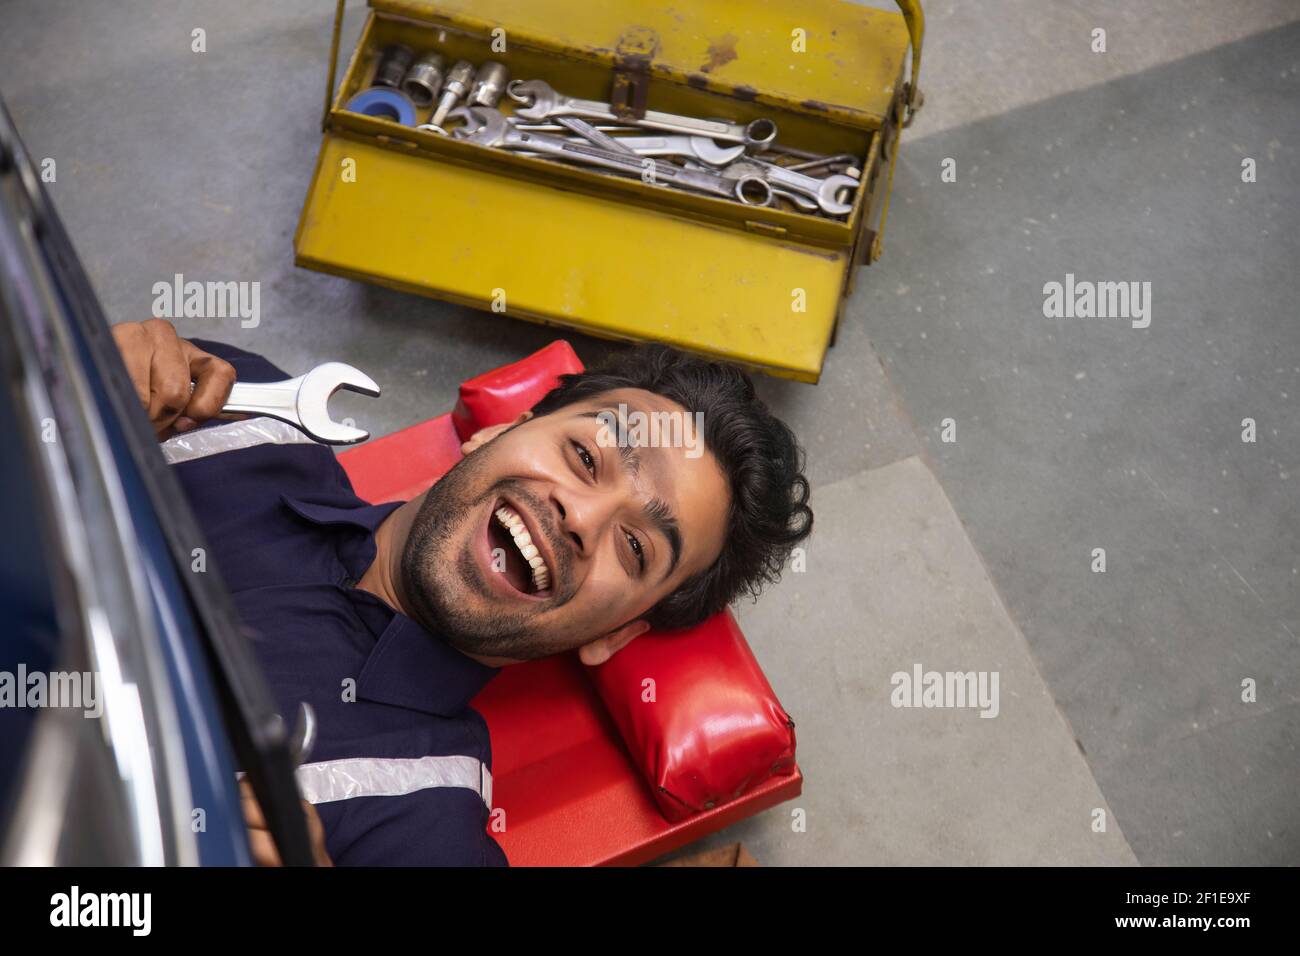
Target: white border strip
231, 437
332, 780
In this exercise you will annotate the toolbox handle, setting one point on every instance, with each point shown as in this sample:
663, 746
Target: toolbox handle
900, 113
915, 19
334, 64
913, 16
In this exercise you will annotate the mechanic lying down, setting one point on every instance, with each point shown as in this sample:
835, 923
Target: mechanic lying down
401, 602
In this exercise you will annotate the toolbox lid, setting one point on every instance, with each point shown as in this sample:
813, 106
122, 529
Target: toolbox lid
851, 61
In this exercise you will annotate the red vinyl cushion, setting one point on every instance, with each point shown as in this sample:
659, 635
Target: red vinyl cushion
500, 395
698, 715
400, 466
715, 745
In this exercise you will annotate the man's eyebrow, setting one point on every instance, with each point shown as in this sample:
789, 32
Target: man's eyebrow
661, 516
657, 511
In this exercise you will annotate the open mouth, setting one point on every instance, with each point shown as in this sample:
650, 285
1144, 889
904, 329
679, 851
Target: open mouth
525, 568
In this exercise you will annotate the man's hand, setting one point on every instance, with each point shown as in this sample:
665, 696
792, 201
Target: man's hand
179, 384
259, 836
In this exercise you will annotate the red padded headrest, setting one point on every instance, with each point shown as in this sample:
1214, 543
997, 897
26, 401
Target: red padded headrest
501, 394
711, 730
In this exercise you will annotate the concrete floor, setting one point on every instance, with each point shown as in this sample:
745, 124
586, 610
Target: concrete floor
1121, 692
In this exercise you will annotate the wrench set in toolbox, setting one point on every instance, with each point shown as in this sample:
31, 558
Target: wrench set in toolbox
742, 162
709, 176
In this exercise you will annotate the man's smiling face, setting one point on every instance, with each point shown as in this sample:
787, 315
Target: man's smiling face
616, 529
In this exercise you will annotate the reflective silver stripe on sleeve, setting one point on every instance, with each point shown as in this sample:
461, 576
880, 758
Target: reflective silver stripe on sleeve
231, 437
350, 777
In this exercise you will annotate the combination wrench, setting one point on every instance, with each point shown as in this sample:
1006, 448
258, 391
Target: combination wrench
540, 101
493, 130
825, 192
699, 148
798, 200
585, 131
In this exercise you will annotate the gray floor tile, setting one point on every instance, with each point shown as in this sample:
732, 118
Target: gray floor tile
1257, 820
1074, 434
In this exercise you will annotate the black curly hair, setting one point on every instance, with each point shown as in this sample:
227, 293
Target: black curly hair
758, 453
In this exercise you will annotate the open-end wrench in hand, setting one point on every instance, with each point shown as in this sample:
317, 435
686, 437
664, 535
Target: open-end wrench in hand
303, 401
541, 101
491, 129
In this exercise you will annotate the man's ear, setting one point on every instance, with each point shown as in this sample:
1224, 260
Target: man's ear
603, 648
485, 435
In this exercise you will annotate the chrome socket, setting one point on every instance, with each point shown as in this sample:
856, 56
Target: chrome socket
489, 84
423, 81
393, 64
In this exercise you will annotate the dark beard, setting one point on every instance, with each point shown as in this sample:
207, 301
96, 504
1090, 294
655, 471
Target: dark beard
433, 580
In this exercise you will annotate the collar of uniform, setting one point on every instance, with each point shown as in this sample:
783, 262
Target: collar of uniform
346, 509
412, 668
408, 667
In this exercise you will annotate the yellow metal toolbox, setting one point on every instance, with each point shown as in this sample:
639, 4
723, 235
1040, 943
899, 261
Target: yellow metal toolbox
618, 257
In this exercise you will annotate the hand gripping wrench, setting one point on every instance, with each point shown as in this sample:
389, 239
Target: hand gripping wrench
493, 130
541, 101
303, 401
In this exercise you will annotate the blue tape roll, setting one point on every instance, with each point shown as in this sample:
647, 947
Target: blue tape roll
384, 103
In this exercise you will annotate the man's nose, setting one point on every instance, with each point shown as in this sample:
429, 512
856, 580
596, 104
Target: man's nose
583, 514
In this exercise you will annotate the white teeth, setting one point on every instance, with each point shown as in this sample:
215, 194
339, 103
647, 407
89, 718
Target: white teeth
524, 542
